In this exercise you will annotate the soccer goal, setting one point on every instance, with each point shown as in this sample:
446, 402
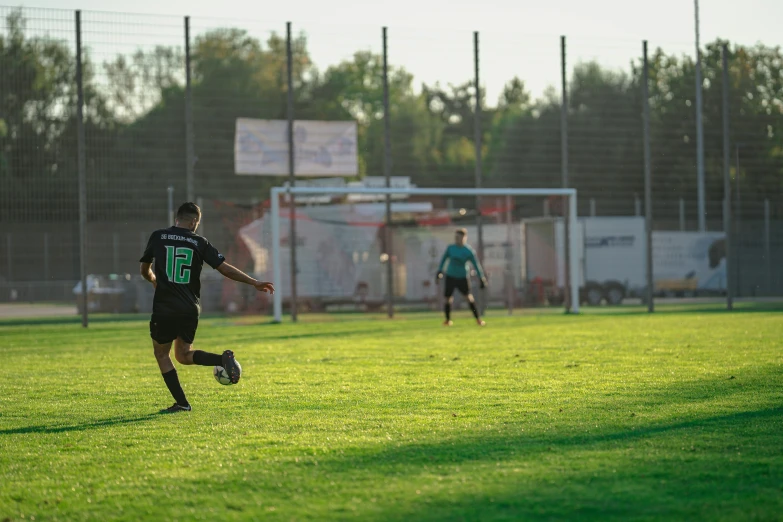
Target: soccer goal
353, 253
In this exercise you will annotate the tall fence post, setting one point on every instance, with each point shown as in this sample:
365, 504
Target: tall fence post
511, 293
190, 162
387, 167
46, 255
170, 204
737, 218
80, 147
682, 214
564, 170
115, 252
9, 245
291, 167
727, 177
699, 132
477, 142
648, 215
768, 247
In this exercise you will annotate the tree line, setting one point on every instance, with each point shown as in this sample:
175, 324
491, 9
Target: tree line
135, 119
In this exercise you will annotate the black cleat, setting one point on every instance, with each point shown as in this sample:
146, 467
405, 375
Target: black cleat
231, 367
174, 408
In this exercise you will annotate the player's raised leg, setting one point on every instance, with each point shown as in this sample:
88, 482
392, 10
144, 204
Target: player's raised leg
170, 377
185, 354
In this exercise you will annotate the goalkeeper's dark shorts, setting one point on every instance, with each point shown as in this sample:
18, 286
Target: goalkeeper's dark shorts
457, 283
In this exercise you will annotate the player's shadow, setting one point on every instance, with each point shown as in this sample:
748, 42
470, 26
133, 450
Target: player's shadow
64, 428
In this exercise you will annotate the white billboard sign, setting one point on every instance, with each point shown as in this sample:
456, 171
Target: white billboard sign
689, 261
322, 148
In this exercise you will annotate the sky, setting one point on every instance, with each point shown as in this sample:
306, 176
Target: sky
433, 38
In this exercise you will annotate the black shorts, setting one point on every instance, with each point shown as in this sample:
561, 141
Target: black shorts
461, 284
165, 328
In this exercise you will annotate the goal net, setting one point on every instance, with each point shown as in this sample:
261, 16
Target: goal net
349, 255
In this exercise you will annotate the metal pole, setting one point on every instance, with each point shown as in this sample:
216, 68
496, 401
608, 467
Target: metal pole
291, 168
648, 215
190, 161
277, 298
82, 166
571, 250
592, 207
768, 247
9, 258
170, 197
46, 255
387, 167
477, 143
116, 252
564, 172
727, 176
682, 215
699, 132
738, 226
510, 254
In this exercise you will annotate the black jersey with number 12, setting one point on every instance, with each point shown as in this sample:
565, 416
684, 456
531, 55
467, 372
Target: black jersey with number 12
178, 257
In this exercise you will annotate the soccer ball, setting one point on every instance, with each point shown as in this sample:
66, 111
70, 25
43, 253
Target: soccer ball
221, 375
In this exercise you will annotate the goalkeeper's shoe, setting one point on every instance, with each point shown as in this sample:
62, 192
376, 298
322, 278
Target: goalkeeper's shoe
174, 408
448, 323
230, 365
481, 322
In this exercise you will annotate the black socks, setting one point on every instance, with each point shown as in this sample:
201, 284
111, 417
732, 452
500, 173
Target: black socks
447, 309
474, 309
172, 382
202, 358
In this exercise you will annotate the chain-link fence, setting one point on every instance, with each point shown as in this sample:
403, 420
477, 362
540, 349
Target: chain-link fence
162, 96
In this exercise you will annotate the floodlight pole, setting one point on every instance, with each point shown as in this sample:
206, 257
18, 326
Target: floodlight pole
276, 192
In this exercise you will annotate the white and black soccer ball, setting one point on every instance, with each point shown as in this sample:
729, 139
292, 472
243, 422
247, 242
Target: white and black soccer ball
221, 375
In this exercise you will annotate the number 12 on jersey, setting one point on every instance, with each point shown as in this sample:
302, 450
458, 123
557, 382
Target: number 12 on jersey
178, 259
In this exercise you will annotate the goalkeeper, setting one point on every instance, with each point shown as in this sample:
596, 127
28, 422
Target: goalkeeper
456, 259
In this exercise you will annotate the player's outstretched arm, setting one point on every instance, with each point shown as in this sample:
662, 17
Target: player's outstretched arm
148, 274
443, 260
236, 274
479, 269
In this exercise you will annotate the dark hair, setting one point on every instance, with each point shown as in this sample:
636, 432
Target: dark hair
189, 210
462, 231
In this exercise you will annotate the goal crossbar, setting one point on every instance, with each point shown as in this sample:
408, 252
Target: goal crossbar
276, 192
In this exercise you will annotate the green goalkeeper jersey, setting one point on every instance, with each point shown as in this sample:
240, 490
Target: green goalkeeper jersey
456, 259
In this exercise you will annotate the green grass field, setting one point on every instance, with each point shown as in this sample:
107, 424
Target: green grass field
607, 415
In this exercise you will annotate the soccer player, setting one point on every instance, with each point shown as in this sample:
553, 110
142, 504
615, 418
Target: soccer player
458, 256
178, 254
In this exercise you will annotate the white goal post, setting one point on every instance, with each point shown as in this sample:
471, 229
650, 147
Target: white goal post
276, 192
